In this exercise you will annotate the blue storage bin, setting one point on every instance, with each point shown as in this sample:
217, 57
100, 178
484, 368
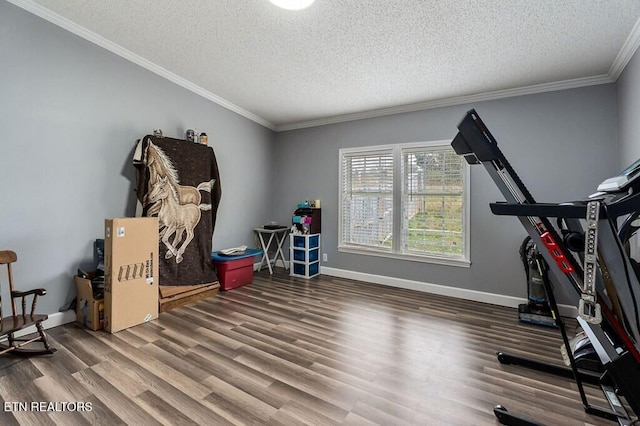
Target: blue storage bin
299, 255
298, 241
313, 268
314, 241
298, 268
313, 255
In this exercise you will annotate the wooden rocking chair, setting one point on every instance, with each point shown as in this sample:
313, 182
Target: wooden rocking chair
10, 325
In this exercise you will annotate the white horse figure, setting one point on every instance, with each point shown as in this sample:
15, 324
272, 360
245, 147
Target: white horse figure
175, 218
159, 164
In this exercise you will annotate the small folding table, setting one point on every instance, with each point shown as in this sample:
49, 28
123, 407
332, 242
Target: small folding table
277, 237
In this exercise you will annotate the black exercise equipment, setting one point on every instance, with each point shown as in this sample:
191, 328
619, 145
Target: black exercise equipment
602, 273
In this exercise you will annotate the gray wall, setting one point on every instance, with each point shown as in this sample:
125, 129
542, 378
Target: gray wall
628, 89
562, 144
70, 113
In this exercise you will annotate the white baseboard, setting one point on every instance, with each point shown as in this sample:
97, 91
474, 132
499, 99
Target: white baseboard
60, 318
460, 293
279, 263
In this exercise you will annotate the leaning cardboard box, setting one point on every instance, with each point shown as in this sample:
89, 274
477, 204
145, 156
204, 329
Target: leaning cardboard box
131, 272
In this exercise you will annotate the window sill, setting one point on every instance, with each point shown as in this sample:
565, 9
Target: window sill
462, 263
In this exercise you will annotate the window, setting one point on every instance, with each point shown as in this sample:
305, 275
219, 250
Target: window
408, 201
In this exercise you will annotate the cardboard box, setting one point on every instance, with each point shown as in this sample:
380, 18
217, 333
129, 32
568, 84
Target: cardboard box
89, 311
131, 272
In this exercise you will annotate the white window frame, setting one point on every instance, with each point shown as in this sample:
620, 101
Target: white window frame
395, 252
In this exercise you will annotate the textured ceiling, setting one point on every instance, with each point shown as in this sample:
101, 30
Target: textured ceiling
345, 58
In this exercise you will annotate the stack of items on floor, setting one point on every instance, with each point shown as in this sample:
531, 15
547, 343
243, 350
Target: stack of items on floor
179, 182
161, 259
304, 241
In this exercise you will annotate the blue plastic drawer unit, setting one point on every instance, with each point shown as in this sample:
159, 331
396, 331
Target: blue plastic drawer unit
304, 255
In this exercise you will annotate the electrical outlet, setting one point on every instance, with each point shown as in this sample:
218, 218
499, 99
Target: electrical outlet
324, 257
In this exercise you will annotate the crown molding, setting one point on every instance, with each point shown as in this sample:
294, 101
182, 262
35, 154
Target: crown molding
54, 18
629, 48
458, 100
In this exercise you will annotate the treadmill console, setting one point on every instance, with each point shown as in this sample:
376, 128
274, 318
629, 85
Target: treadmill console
623, 180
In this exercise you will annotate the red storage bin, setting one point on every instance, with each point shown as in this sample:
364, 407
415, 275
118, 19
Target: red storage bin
234, 271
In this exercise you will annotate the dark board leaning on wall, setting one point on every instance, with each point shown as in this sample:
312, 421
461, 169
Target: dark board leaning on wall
179, 182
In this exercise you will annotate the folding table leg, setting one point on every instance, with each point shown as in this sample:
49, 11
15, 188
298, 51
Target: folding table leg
280, 242
265, 250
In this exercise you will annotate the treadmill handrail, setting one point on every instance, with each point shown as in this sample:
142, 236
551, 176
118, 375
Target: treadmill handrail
613, 207
569, 211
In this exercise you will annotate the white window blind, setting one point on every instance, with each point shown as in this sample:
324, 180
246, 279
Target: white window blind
432, 202
367, 199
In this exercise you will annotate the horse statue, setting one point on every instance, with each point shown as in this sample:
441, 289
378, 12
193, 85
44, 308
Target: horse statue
175, 218
159, 164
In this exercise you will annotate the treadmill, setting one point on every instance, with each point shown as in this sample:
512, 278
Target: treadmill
601, 274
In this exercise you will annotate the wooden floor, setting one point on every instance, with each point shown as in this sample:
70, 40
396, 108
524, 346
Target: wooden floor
285, 351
